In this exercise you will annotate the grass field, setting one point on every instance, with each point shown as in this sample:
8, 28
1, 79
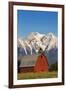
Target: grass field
32, 75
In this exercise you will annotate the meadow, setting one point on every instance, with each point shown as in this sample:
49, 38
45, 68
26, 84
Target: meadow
35, 75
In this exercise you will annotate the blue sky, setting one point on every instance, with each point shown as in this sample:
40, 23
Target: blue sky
36, 21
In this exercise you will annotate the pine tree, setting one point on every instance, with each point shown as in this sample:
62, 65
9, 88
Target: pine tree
40, 51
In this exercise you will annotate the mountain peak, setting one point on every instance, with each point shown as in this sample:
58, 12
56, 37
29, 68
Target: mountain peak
50, 33
34, 33
37, 40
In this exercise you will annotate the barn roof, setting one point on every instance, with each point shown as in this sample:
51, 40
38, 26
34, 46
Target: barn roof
28, 60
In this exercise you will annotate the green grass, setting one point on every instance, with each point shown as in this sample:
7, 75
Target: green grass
33, 75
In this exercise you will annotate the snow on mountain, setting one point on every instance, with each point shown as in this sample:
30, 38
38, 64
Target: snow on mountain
35, 35
53, 42
36, 40
21, 42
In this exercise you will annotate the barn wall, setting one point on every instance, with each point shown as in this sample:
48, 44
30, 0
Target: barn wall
26, 69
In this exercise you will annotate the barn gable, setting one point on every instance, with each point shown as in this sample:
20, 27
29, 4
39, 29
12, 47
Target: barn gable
41, 64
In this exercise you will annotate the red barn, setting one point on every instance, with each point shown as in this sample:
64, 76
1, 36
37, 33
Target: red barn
41, 64
34, 63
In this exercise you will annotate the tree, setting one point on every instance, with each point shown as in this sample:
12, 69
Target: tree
18, 66
40, 51
53, 67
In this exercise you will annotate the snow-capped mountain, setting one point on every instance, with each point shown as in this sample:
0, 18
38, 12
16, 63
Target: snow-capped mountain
31, 44
36, 40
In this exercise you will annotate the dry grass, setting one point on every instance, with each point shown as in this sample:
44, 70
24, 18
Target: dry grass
32, 75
